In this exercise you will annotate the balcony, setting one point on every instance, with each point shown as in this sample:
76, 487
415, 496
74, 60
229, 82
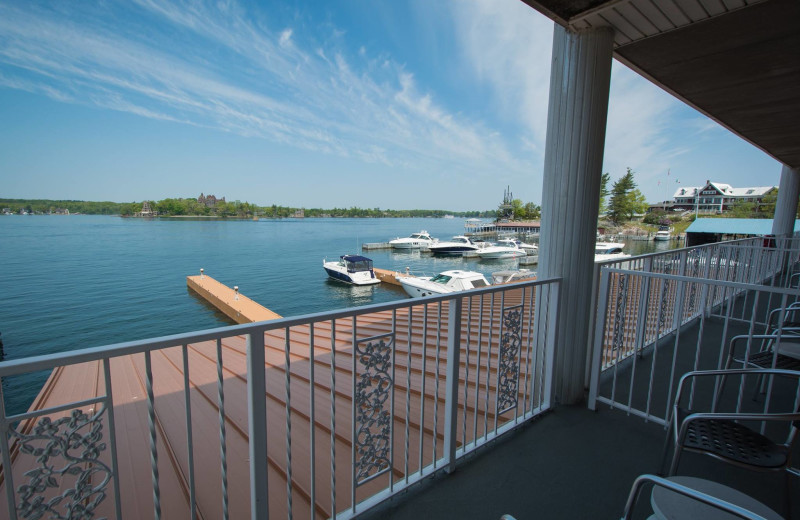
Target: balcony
366, 411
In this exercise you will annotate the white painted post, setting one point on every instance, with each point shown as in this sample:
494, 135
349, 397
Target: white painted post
452, 381
235, 292
576, 125
201, 272
257, 425
786, 205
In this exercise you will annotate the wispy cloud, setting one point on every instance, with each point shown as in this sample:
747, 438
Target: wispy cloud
216, 65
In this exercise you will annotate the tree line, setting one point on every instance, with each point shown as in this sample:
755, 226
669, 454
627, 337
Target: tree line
191, 207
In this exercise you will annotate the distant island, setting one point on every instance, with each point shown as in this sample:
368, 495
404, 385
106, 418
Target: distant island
210, 206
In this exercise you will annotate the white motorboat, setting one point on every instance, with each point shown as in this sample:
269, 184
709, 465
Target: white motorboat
609, 251
413, 241
458, 245
530, 249
661, 235
443, 283
353, 269
505, 248
512, 275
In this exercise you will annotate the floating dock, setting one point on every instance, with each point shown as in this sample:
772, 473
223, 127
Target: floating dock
236, 306
387, 276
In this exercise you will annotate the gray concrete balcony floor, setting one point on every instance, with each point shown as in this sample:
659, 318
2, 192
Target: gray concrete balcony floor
576, 463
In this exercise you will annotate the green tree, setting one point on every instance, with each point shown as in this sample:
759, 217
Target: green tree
637, 203
604, 192
621, 206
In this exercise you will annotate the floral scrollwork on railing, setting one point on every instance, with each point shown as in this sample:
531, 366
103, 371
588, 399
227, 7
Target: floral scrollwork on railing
619, 312
67, 451
373, 423
508, 363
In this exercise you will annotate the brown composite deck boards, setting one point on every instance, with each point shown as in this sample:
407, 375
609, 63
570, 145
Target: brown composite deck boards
414, 373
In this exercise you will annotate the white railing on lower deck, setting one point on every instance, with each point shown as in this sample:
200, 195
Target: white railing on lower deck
344, 409
653, 327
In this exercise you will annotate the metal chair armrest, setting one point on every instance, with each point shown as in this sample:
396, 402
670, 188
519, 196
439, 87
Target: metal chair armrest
686, 491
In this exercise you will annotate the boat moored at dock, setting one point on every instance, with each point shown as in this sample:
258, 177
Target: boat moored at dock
423, 239
505, 248
443, 283
352, 269
457, 246
662, 235
609, 251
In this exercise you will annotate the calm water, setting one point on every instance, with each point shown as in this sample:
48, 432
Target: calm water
81, 281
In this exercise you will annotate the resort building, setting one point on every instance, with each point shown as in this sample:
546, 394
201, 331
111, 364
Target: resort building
716, 197
352, 412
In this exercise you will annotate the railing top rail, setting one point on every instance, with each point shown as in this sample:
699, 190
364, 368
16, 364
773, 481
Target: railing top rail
741, 241
708, 281
50, 361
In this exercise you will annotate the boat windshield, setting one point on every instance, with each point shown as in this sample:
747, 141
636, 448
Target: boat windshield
479, 283
415, 235
359, 266
441, 278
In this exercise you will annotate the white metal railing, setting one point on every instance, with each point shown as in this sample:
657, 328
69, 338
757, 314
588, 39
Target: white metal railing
344, 409
662, 315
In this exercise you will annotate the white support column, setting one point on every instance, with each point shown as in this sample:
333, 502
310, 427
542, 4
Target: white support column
786, 206
576, 128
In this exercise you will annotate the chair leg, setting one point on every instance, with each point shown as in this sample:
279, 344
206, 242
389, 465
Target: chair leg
676, 458
787, 494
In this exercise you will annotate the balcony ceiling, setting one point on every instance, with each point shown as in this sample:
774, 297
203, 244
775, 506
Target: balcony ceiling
736, 61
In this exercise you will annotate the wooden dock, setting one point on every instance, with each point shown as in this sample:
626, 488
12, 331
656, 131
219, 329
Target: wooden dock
235, 305
388, 276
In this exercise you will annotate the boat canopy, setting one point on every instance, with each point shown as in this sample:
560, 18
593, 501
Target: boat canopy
357, 263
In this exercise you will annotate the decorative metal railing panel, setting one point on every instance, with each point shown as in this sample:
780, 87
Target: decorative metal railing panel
372, 401
326, 415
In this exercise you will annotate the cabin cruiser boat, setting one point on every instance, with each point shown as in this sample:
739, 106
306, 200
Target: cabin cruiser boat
661, 235
457, 246
353, 269
443, 283
512, 275
505, 248
530, 249
413, 241
609, 251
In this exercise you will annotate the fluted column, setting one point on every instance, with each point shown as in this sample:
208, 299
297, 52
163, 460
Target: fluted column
786, 206
576, 128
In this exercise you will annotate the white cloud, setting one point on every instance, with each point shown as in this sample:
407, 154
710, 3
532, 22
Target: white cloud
279, 85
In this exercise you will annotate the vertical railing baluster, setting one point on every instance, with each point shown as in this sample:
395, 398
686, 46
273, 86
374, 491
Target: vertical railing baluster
478, 373
187, 397
288, 378
451, 382
499, 359
466, 374
112, 434
488, 370
436, 383
548, 366
333, 419
312, 421
394, 389
5, 450
408, 394
422, 393
151, 425
223, 448
353, 415
257, 425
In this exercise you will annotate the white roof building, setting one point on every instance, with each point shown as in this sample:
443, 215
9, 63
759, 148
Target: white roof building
717, 196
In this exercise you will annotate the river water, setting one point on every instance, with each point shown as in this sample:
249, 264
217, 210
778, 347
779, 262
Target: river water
71, 282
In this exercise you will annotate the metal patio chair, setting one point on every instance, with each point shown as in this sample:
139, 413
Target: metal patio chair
723, 435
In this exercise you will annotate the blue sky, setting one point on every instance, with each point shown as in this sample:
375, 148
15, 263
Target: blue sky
410, 104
